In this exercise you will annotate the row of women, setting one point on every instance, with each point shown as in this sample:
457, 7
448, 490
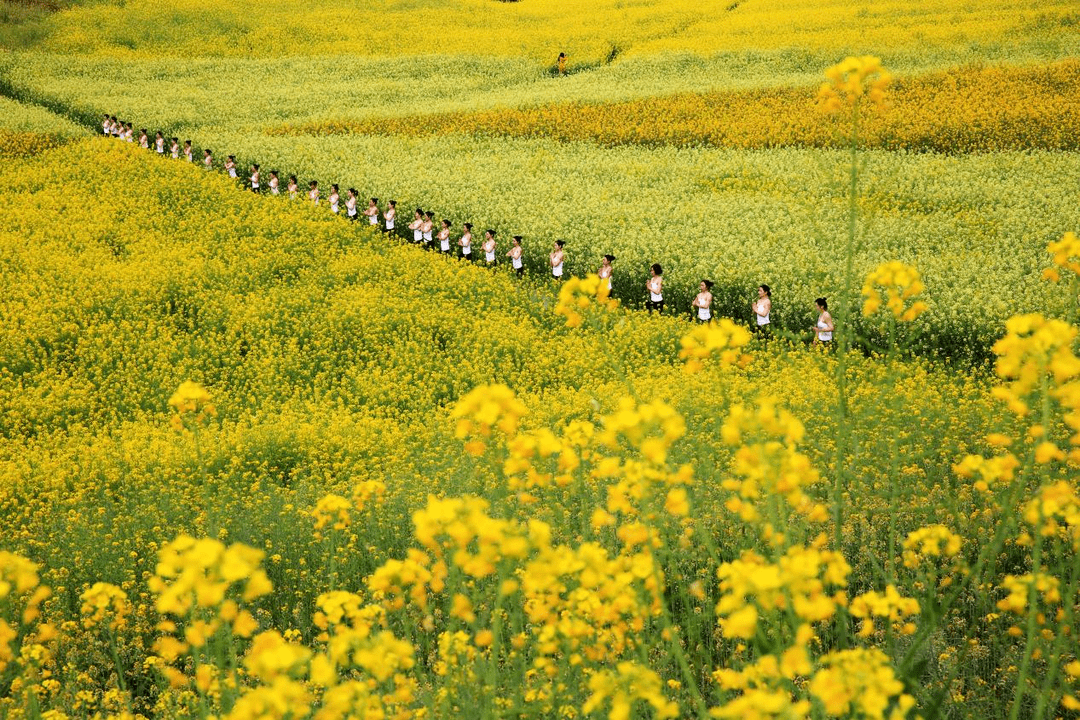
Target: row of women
424, 233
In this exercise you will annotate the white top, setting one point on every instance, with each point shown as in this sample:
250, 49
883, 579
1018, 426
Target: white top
334, 203
350, 206
373, 219
417, 234
824, 335
427, 235
232, 172
489, 255
466, 244
704, 313
159, 145
389, 217
761, 319
656, 293
273, 186
515, 262
187, 156
175, 152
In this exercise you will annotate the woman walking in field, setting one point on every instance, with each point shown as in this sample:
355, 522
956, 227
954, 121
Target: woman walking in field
230, 166
606, 270
515, 257
159, 143
762, 307
556, 259
390, 215
255, 178
418, 220
208, 159
273, 183
313, 192
823, 330
293, 188
174, 148
188, 152
444, 236
428, 227
129, 133
350, 204
144, 139
465, 241
703, 301
372, 211
335, 199
489, 247
655, 287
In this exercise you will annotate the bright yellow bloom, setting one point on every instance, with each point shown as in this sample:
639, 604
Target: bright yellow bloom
900, 283
722, 339
578, 294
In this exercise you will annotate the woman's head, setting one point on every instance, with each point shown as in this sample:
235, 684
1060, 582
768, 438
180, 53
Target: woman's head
764, 290
656, 269
334, 187
430, 215
609, 258
468, 227
517, 239
706, 285
374, 201
446, 223
352, 192
560, 244
490, 233
822, 304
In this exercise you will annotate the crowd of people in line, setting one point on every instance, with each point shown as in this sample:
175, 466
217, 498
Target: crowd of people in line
424, 233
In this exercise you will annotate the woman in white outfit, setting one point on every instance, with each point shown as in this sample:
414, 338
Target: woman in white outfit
444, 236
350, 205
274, 182
655, 287
606, 271
489, 247
762, 307
515, 257
335, 198
823, 330
371, 212
465, 242
703, 301
418, 220
428, 227
230, 166
390, 215
556, 260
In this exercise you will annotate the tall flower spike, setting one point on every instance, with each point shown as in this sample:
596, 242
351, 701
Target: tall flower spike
1066, 256
899, 282
853, 81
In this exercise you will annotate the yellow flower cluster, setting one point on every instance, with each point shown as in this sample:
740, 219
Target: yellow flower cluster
483, 409
768, 468
1034, 350
900, 282
932, 541
803, 582
1021, 588
104, 601
1066, 256
1056, 510
861, 683
579, 294
853, 81
889, 605
624, 686
722, 339
199, 574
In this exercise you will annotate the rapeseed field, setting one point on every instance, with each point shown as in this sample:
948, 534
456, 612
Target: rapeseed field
262, 462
